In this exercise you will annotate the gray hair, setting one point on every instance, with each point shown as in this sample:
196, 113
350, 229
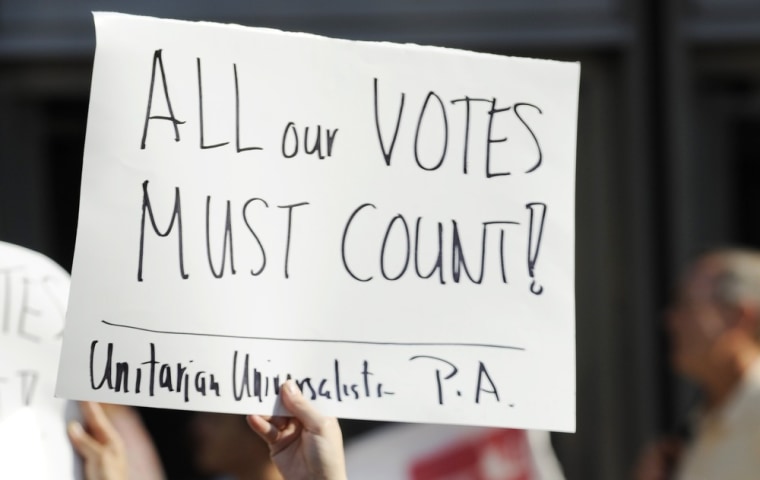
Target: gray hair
739, 281
740, 278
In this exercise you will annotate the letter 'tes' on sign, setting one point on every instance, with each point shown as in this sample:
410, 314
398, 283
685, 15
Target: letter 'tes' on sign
33, 295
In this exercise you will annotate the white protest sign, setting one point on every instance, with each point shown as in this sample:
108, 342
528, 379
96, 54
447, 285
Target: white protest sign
23, 452
33, 294
390, 225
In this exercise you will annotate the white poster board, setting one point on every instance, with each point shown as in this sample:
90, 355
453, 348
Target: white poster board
391, 225
33, 295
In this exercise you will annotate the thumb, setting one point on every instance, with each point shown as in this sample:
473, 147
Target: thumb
299, 407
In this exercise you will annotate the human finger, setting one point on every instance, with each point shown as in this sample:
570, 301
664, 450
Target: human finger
266, 430
274, 428
296, 403
98, 423
280, 422
83, 443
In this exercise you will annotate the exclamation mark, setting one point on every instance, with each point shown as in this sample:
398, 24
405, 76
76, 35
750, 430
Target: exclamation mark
535, 232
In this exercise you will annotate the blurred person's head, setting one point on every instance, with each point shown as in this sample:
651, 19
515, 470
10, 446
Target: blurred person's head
714, 321
224, 444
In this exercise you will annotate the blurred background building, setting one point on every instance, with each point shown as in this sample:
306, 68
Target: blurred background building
668, 159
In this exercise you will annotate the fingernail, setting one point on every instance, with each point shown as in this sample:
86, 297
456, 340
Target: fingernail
290, 386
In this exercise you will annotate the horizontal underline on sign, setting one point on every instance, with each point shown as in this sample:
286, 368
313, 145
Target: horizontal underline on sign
308, 340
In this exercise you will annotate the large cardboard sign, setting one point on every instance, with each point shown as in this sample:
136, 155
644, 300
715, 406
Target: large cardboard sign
390, 225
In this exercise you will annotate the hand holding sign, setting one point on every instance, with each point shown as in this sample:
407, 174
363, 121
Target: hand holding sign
305, 446
102, 449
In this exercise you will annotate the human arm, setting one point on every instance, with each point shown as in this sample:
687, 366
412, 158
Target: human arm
306, 446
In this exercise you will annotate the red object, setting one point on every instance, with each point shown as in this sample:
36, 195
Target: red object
495, 455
